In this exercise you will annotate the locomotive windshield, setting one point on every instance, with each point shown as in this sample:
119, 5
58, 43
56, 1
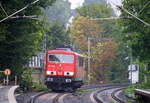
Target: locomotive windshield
61, 58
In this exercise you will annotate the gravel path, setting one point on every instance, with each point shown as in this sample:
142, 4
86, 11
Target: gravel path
83, 97
25, 98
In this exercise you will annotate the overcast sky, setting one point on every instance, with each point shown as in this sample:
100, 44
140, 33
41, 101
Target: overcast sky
78, 3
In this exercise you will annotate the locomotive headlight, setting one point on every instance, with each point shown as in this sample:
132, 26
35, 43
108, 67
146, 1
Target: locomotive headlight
51, 72
68, 73
48, 72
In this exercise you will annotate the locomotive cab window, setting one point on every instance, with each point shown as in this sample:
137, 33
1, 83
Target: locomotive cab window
61, 58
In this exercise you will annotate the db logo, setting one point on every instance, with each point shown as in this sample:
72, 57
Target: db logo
59, 73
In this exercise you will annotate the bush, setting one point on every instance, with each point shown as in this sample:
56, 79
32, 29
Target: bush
39, 87
26, 80
131, 88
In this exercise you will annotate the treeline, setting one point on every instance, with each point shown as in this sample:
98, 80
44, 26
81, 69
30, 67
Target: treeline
107, 47
114, 43
137, 34
22, 35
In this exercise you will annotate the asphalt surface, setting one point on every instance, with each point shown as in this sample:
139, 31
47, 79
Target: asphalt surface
4, 94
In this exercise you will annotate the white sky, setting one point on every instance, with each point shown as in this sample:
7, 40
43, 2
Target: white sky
78, 3
113, 4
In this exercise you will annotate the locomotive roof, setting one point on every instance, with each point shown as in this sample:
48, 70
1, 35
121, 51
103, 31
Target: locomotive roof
64, 51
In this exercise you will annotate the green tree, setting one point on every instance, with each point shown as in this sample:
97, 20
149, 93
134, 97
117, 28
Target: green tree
60, 11
19, 37
57, 36
100, 11
138, 32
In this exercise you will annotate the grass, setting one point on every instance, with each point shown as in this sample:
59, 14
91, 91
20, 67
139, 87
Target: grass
39, 87
82, 91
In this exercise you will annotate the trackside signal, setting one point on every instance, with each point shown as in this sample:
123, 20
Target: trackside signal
7, 72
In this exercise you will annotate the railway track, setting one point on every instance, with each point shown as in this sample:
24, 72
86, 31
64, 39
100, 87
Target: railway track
33, 98
98, 100
116, 98
101, 86
95, 96
54, 100
58, 97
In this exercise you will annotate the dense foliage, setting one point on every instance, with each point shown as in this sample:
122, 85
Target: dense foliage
138, 34
57, 36
60, 11
102, 51
20, 37
109, 29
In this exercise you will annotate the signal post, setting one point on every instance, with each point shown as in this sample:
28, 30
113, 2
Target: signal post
7, 72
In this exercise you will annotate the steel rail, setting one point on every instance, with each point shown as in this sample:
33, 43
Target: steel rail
116, 98
101, 86
56, 99
33, 98
108, 87
96, 97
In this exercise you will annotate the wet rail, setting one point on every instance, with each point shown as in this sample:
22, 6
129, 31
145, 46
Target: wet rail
33, 98
109, 87
56, 99
116, 98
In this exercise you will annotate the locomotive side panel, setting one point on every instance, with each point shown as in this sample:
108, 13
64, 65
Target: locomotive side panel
80, 68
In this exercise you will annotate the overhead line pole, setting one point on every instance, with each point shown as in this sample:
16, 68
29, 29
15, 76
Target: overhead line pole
15, 17
131, 63
89, 57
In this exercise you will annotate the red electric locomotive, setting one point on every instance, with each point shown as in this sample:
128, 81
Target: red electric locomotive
64, 70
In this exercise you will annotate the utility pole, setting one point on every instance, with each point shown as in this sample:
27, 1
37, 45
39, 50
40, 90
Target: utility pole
145, 76
44, 43
89, 57
43, 58
131, 62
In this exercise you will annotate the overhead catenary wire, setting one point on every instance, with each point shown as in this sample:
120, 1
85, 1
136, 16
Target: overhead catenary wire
122, 8
19, 11
24, 16
110, 18
132, 15
144, 7
3, 9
